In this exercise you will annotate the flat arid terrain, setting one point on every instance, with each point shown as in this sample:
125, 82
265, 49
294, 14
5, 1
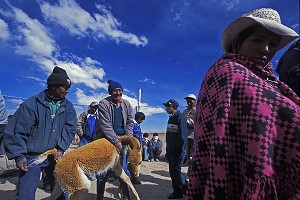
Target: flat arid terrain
155, 178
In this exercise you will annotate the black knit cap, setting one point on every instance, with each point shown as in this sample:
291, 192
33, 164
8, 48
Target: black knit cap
59, 77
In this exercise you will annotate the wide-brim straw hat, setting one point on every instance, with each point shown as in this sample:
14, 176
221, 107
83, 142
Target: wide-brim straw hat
266, 17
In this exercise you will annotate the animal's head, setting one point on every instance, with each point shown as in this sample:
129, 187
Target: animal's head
135, 155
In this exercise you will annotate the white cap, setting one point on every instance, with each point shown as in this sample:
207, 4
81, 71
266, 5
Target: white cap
192, 96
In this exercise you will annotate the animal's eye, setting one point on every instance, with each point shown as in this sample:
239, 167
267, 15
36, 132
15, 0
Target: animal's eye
140, 162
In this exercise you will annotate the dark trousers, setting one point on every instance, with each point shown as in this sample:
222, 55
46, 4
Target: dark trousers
102, 179
154, 152
2, 127
178, 178
189, 147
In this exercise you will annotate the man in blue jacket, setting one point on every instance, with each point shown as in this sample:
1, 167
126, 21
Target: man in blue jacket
176, 137
42, 122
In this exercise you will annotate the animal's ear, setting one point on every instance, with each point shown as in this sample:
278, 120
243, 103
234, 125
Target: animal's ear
131, 141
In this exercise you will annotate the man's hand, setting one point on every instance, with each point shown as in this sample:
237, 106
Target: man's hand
59, 155
119, 147
22, 164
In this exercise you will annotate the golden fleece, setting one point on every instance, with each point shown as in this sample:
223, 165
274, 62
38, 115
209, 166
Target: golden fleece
75, 170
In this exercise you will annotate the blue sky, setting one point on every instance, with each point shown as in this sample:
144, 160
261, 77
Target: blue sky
163, 47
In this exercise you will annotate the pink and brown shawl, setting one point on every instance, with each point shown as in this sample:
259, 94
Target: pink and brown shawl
247, 135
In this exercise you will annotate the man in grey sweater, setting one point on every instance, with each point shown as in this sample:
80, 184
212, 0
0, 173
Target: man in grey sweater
115, 119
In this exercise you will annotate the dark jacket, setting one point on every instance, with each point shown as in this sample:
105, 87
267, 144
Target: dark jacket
288, 67
156, 145
32, 130
176, 135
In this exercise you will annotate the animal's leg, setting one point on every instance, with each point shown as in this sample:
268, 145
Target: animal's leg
79, 194
120, 172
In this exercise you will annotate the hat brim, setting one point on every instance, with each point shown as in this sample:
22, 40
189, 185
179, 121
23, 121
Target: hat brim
166, 104
190, 98
242, 23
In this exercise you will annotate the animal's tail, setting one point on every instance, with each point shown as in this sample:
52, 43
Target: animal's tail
131, 141
42, 157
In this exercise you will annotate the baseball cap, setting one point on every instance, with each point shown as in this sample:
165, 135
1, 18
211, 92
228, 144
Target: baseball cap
191, 96
172, 103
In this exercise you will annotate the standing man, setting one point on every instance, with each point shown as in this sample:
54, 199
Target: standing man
116, 119
3, 121
42, 122
86, 123
176, 138
189, 114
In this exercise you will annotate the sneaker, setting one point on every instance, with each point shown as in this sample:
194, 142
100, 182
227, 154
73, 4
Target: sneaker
135, 180
156, 160
175, 196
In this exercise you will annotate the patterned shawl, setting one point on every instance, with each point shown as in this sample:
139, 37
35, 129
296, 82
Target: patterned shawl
247, 135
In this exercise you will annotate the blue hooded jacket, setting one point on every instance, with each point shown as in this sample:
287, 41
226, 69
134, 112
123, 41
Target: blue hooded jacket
31, 130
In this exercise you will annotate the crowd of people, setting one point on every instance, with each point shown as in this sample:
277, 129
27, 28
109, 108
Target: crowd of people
240, 137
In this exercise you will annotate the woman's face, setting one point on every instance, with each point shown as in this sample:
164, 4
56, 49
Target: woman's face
260, 47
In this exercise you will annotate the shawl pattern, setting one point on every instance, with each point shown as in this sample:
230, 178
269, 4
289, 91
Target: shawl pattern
247, 137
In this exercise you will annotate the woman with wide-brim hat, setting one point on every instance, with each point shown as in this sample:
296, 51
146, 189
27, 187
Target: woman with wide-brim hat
247, 123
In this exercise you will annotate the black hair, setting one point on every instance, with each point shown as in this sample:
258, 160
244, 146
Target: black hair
155, 134
145, 135
139, 115
242, 36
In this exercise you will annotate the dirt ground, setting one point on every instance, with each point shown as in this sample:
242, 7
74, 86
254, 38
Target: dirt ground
155, 178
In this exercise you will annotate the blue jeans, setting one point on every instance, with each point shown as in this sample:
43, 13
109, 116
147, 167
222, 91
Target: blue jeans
145, 153
29, 181
102, 179
178, 178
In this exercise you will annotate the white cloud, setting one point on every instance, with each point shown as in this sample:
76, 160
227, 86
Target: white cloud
147, 80
35, 41
15, 101
80, 22
88, 75
229, 4
34, 36
41, 82
4, 30
84, 99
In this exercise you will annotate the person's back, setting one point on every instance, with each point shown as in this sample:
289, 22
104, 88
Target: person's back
139, 117
288, 67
